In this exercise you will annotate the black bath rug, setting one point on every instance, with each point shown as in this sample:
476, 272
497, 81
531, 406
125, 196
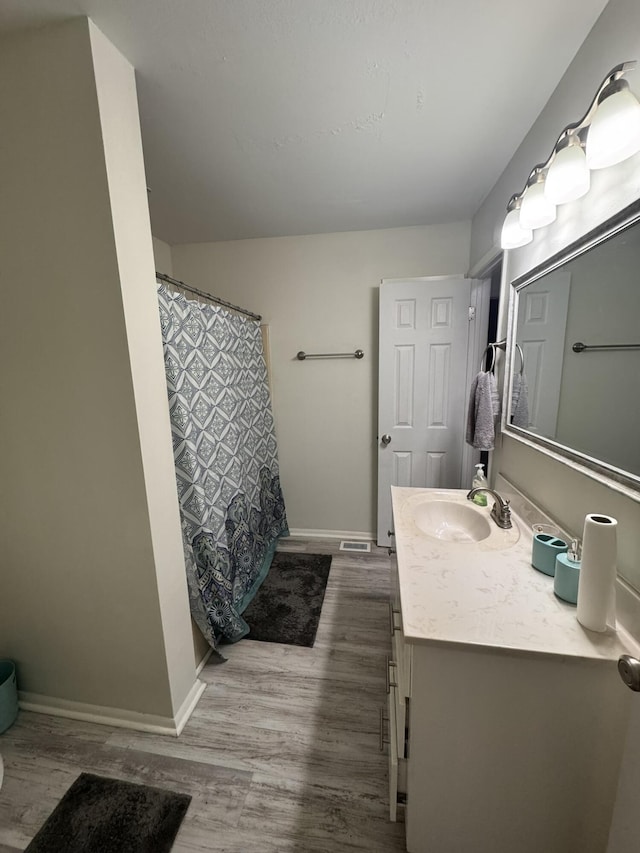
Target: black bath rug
286, 608
100, 815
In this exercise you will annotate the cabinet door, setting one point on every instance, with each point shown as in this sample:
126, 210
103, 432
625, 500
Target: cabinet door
399, 670
401, 656
397, 764
401, 650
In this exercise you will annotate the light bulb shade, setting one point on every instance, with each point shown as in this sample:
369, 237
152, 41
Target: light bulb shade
536, 211
568, 176
614, 133
513, 234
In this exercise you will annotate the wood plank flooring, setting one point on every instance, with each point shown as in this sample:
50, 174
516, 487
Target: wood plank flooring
280, 756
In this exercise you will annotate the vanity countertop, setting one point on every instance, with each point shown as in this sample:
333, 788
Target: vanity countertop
477, 595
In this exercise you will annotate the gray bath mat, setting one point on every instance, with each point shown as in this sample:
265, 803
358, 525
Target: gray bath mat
100, 815
286, 608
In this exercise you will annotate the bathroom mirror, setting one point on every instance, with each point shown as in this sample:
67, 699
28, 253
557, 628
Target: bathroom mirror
576, 320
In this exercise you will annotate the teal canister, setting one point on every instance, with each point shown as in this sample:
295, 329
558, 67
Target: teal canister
567, 576
544, 550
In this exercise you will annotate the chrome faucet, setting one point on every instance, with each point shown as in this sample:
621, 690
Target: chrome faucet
501, 512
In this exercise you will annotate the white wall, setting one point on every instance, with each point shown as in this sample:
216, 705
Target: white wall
162, 256
568, 494
92, 589
615, 38
118, 106
164, 263
319, 293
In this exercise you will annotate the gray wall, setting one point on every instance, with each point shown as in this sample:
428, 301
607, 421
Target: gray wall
162, 256
93, 597
614, 38
569, 494
319, 293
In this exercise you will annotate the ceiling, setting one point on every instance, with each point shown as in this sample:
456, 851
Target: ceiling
265, 118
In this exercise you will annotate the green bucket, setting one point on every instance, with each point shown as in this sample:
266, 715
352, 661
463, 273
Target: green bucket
8, 694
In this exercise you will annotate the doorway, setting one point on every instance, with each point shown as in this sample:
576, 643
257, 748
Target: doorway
432, 335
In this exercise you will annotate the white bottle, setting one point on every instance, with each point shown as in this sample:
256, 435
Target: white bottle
480, 482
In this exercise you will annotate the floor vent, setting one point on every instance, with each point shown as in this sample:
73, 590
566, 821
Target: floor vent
362, 547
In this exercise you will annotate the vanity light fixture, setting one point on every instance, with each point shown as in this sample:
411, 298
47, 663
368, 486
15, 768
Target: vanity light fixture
608, 133
614, 134
536, 210
513, 234
568, 177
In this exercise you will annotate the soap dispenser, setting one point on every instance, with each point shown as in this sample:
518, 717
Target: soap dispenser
567, 576
480, 482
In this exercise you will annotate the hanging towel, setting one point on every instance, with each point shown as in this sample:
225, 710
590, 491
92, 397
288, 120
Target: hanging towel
520, 401
484, 408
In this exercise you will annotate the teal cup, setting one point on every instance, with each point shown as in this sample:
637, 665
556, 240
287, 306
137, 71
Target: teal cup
8, 694
544, 551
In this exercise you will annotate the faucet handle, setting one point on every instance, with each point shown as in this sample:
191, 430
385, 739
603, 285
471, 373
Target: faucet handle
501, 512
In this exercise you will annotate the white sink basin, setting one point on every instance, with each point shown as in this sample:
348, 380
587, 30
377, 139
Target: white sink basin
447, 516
451, 522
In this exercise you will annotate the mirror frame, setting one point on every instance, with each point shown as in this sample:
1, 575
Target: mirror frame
598, 469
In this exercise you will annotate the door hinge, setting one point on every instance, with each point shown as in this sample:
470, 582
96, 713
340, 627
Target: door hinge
472, 313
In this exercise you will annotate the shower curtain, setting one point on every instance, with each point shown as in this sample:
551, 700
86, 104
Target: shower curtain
226, 460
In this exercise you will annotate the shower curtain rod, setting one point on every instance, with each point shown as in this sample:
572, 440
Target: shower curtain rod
177, 283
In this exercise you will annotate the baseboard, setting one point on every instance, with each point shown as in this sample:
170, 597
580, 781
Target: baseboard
189, 704
301, 533
203, 662
118, 717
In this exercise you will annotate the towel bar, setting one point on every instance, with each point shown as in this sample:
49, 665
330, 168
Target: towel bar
302, 356
580, 347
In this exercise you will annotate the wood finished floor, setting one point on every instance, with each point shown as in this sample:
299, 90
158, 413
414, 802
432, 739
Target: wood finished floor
280, 756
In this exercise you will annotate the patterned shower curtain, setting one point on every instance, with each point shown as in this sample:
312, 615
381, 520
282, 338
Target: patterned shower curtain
226, 460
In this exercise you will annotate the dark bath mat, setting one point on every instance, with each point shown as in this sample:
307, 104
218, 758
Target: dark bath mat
100, 815
286, 608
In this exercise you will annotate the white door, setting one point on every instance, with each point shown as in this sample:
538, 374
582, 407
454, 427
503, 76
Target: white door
542, 319
424, 374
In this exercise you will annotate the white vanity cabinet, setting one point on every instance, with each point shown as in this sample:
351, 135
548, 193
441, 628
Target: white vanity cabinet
508, 746
399, 692
401, 658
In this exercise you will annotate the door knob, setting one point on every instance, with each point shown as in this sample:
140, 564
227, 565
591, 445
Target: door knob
629, 669
386, 439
